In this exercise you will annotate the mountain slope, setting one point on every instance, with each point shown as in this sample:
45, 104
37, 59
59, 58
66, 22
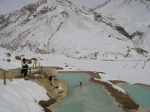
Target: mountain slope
60, 27
133, 15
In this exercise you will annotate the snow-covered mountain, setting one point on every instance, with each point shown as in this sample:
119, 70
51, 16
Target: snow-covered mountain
60, 27
133, 15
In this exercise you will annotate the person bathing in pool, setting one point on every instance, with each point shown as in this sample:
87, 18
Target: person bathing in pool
81, 84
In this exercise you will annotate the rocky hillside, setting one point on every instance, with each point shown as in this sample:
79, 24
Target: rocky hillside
62, 28
133, 16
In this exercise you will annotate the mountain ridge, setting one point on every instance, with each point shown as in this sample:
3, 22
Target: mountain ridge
60, 27
133, 16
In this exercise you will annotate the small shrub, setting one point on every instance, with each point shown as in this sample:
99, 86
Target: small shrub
17, 57
100, 72
137, 33
8, 60
77, 52
29, 61
148, 59
8, 54
122, 31
35, 59
95, 54
22, 55
140, 50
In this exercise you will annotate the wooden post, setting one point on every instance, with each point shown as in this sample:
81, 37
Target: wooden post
41, 70
35, 63
30, 71
4, 78
39, 64
10, 76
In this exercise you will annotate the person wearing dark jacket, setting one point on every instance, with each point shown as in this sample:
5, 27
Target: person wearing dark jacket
51, 80
24, 70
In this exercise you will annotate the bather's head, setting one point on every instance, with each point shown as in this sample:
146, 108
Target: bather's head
80, 83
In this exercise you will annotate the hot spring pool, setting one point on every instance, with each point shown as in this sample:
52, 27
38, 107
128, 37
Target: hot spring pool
89, 98
140, 94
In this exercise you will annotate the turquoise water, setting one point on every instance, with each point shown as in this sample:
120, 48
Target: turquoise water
89, 98
140, 94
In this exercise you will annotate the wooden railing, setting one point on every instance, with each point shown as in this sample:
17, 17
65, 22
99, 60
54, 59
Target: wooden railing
30, 69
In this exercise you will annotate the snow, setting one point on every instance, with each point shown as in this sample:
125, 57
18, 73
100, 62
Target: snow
72, 40
59, 87
88, 3
68, 30
114, 70
133, 16
23, 92
21, 96
132, 71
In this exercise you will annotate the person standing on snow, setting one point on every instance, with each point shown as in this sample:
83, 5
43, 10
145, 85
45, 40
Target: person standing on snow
24, 70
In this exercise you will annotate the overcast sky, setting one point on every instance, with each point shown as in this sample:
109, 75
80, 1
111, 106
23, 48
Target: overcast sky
7, 6
88, 3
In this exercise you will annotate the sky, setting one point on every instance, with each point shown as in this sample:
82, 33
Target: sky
88, 3
7, 6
